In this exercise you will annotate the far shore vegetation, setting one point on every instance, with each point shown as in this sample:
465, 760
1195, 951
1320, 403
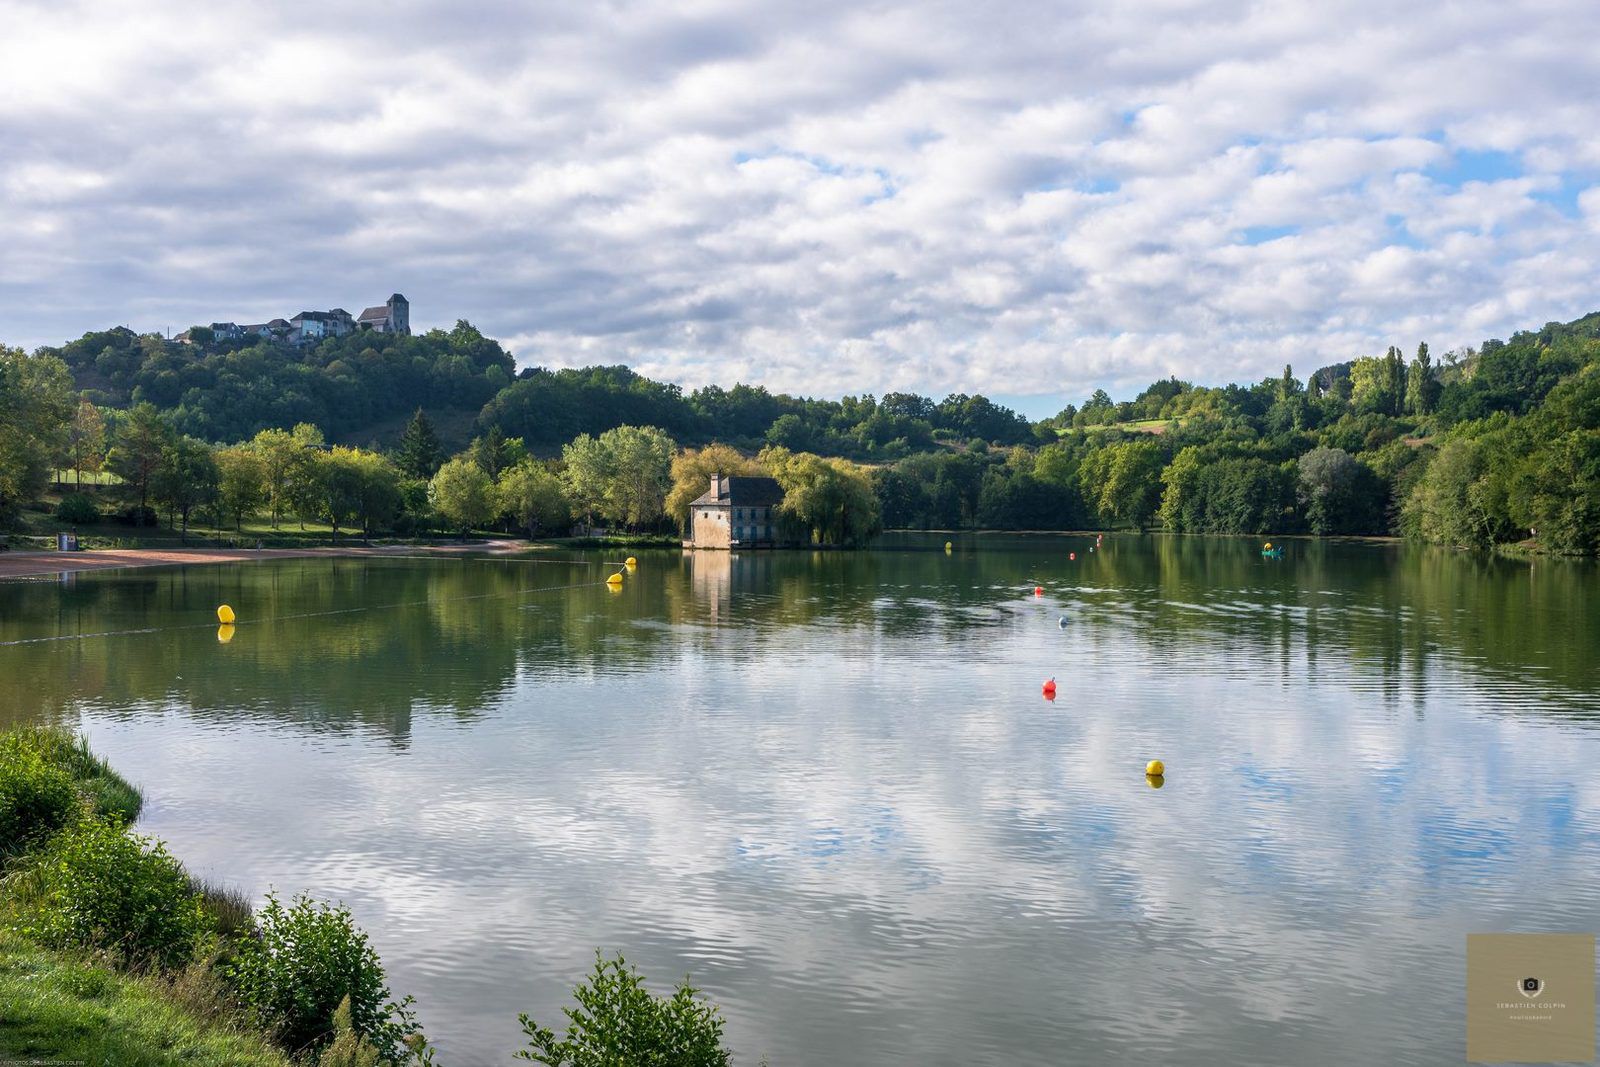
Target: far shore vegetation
130, 438
111, 953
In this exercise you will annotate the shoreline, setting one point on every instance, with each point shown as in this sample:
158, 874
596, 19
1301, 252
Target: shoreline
38, 564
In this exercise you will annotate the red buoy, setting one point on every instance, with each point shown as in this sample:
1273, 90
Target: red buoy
1049, 688
1038, 590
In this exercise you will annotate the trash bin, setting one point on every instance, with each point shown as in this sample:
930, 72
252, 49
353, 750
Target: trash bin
67, 542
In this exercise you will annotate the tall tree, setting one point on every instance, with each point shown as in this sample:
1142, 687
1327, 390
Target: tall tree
86, 440
419, 454
35, 407
1394, 365
533, 497
186, 478
140, 446
242, 482
1421, 389
463, 494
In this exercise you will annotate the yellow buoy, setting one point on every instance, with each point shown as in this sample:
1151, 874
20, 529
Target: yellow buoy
1268, 545
225, 633
1155, 768
225, 615
615, 579
947, 546
630, 563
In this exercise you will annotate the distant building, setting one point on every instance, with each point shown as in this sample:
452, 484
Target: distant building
309, 326
220, 331
736, 512
277, 328
392, 316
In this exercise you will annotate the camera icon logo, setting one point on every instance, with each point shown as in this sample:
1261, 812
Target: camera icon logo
1530, 987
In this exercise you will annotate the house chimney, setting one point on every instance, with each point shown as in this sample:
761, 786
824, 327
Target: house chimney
716, 486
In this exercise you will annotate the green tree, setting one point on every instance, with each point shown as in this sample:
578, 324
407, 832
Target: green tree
1449, 504
36, 404
620, 1023
533, 497
242, 482
586, 471
831, 499
186, 478
139, 448
462, 494
489, 452
420, 453
1422, 391
86, 440
1124, 481
641, 472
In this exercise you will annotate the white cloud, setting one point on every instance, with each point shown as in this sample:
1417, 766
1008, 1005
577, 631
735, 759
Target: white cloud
819, 197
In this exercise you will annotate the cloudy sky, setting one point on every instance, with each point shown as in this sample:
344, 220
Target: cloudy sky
1025, 199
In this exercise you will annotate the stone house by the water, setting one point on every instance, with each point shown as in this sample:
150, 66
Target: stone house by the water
736, 512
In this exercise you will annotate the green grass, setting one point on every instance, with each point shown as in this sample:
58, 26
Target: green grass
67, 480
106, 790
66, 1008
1139, 426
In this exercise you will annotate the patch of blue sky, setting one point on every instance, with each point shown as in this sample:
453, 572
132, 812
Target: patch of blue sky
1399, 233
1474, 165
1260, 235
821, 163
1564, 197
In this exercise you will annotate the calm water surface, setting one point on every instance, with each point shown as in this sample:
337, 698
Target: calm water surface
828, 788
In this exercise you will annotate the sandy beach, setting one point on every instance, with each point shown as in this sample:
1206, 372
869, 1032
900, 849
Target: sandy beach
32, 564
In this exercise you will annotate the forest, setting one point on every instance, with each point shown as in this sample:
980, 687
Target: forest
1497, 445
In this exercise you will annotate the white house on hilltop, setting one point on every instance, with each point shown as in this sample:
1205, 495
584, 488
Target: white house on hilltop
308, 327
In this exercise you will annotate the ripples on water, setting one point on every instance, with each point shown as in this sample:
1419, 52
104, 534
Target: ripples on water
828, 788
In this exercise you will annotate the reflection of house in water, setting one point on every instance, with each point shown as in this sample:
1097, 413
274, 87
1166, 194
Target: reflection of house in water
718, 580
736, 512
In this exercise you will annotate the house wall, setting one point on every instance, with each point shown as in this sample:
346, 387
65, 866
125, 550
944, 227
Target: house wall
709, 528
750, 525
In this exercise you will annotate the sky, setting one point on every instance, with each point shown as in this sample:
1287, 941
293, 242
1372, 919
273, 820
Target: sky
1028, 200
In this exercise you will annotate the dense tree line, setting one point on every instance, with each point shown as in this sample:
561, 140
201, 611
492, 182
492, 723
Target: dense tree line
1486, 446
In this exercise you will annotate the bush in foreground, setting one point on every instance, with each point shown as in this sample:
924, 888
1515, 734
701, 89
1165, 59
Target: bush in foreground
308, 958
108, 793
619, 1021
96, 886
37, 799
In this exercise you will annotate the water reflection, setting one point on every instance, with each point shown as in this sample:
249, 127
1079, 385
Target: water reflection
827, 785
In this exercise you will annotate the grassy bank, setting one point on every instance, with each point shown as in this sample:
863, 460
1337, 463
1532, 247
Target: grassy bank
67, 1007
112, 954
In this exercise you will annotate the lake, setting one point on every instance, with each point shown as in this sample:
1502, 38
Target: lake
828, 788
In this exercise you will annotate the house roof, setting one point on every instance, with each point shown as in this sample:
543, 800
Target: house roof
373, 314
744, 492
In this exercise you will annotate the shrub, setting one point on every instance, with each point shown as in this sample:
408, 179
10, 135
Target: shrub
617, 1020
77, 509
36, 799
107, 792
136, 515
97, 886
307, 959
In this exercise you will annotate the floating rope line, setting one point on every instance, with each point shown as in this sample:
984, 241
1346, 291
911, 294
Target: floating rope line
296, 615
